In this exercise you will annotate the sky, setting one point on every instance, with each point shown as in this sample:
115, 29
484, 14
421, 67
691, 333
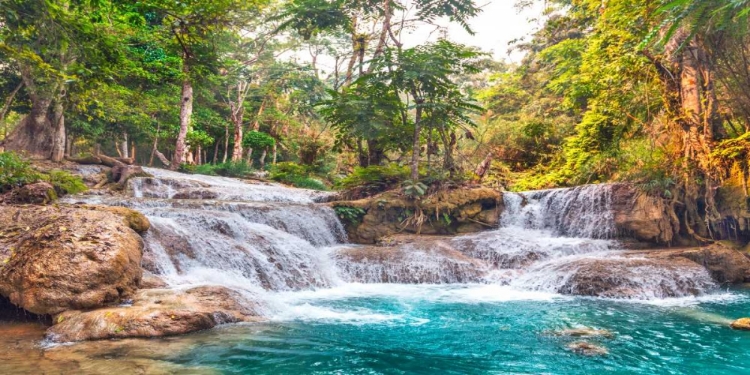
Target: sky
498, 24
495, 27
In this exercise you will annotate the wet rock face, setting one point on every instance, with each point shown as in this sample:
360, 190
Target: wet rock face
156, 313
37, 193
742, 324
643, 217
62, 258
725, 265
634, 278
467, 210
433, 262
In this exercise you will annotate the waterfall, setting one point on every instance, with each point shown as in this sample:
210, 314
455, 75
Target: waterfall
254, 236
583, 211
270, 240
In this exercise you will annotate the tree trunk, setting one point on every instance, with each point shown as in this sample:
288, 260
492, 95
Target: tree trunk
34, 134
237, 152
58, 132
256, 124
186, 112
198, 153
156, 145
375, 152
6, 108
416, 146
484, 167
123, 146
226, 144
275, 154
216, 152
263, 159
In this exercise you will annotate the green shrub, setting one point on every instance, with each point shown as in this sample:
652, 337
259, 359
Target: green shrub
15, 172
309, 183
258, 140
287, 171
376, 178
229, 169
65, 183
351, 215
296, 175
233, 169
205, 169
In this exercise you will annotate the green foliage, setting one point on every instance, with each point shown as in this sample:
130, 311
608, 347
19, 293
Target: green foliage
199, 138
414, 189
64, 182
296, 175
308, 183
375, 178
237, 169
258, 140
352, 215
16, 172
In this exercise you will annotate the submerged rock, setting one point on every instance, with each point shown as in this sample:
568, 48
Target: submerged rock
587, 348
585, 332
63, 257
156, 313
742, 324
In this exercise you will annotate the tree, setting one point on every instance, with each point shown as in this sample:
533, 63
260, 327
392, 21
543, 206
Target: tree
55, 44
192, 26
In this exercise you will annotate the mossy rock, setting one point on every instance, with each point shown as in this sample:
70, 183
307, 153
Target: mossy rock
37, 193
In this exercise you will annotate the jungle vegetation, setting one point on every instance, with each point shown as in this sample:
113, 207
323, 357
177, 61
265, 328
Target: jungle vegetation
654, 93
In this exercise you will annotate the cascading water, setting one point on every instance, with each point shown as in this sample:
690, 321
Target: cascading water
472, 304
256, 237
266, 238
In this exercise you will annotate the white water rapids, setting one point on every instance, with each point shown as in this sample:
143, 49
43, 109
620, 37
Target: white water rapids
286, 251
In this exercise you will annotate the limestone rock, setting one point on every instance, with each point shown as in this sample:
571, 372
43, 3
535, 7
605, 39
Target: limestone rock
424, 262
156, 313
465, 210
195, 193
133, 219
643, 217
633, 278
726, 265
151, 281
742, 324
37, 193
63, 257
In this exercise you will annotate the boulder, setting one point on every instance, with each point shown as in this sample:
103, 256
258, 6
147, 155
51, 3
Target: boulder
156, 313
643, 217
465, 210
133, 219
57, 258
742, 324
151, 281
36, 193
726, 265
632, 278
